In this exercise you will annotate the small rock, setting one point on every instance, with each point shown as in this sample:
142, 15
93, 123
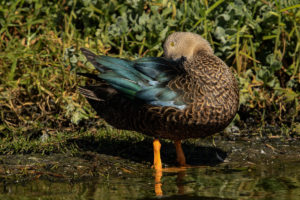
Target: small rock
232, 130
44, 137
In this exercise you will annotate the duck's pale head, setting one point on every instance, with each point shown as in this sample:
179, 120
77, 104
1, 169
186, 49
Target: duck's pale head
185, 44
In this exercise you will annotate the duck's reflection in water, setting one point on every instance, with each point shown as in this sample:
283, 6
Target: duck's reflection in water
181, 171
180, 183
158, 184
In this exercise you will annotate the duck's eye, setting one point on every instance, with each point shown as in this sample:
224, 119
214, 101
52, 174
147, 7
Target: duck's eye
172, 44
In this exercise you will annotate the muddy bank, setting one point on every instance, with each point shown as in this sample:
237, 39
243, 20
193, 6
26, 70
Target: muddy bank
124, 158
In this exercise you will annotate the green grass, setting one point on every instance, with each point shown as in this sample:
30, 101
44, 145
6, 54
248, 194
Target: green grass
259, 40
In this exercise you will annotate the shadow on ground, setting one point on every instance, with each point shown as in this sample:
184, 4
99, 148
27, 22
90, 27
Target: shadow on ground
142, 151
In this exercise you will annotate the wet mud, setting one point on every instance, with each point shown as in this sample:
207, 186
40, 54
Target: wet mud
246, 165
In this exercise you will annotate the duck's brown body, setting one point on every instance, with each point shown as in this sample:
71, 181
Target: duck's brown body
190, 93
208, 88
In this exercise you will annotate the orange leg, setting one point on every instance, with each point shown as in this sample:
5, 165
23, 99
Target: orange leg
157, 160
179, 153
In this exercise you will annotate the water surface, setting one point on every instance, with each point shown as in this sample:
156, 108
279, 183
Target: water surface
275, 180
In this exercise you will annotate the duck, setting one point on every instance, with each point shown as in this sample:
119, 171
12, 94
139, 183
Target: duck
187, 93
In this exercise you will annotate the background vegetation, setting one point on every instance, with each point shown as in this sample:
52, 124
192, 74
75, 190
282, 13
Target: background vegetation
39, 104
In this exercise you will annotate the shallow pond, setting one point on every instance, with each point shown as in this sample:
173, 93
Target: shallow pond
248, 170
273, 181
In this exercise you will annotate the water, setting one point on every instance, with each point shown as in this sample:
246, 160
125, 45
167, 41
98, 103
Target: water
275, 180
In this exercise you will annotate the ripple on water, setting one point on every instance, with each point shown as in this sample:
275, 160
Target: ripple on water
280, 180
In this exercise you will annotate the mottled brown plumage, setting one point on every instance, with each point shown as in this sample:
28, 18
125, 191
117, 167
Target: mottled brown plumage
206, 86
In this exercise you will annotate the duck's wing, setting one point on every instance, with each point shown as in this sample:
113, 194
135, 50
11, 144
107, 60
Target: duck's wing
145, 78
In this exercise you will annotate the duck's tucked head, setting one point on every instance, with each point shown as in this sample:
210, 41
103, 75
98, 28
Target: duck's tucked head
185, 44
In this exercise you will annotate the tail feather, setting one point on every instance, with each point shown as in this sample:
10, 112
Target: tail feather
91, 57
97, 92
88, 75
90, 94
